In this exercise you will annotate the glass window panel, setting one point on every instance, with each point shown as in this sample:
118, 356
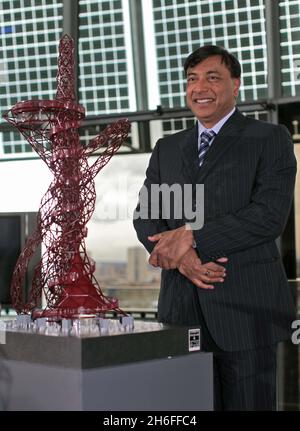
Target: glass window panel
289, 22
32, 43
102, 47
238, 26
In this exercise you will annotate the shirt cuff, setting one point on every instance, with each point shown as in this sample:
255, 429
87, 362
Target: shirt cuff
188, 227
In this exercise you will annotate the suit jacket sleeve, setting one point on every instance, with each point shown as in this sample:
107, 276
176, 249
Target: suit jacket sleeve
144, 222
264, 218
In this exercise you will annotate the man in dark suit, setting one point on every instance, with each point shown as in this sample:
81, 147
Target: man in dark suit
227, 275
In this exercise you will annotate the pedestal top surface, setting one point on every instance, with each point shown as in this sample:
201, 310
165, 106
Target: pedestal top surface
148, 340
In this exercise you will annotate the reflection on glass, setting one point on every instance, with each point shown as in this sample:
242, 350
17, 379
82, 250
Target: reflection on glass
121, 262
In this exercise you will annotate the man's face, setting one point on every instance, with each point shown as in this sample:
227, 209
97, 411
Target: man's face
211, 91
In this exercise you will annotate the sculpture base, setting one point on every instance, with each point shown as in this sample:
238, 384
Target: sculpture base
151, 370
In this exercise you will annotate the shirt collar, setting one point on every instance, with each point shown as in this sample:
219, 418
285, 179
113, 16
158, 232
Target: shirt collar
216, 128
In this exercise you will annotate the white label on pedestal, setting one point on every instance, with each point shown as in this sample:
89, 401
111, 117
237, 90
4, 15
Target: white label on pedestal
194, 340
2, 333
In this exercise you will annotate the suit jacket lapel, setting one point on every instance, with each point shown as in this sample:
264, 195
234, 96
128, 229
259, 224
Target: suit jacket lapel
189, 151
227, 136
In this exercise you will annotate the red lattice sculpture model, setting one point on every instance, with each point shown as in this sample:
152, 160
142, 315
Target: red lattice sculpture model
65, 272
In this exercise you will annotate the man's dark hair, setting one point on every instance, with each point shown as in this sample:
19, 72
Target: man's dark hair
206, 51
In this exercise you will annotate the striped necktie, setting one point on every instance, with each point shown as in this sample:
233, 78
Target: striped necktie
205, 140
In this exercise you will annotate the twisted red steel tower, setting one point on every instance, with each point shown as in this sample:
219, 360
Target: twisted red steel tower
65, 272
